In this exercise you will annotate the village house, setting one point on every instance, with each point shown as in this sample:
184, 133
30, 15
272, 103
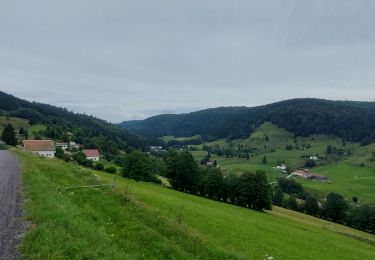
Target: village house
42, 147
91, 154
282, 167
211, 163
63, 146
156, 149
314, 158
73, 145
305, 174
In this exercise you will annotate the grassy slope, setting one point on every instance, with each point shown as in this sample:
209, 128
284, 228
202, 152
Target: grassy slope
348, 178
17, 123
92, 224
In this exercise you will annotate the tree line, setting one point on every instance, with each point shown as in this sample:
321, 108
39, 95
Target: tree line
354, 121
84, 129
334, 207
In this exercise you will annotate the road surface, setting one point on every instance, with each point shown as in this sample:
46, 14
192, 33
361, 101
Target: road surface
10, 210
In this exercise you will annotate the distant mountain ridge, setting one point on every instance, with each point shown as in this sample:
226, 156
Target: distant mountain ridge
351, 120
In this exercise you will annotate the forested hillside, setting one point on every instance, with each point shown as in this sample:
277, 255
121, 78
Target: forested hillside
65, 125
354, 121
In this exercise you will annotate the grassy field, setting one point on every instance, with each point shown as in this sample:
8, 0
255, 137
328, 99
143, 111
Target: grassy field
144, 221
351, 175
17, 123
168, 138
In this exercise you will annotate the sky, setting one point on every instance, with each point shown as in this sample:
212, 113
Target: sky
124, 60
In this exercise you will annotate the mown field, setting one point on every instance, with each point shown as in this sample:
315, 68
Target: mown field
147, 221
350, 175
18, 123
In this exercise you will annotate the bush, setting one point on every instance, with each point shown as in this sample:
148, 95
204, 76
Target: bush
110, 169
289, 147
66, 157
310, 164
88, 163
59, 153
99, 166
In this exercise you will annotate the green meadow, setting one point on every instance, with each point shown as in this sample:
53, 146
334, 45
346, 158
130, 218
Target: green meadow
133, 220
350, 175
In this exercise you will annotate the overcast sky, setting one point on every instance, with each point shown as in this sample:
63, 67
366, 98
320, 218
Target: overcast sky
122, 60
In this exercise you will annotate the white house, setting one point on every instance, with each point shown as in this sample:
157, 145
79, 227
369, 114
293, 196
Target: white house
281, 167
314, 158
63, 146
73, 144
91, 154
42, 147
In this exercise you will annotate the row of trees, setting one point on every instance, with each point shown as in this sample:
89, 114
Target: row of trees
334, 207
248, 190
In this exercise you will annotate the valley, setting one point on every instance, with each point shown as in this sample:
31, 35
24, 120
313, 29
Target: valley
350, 175
141, 220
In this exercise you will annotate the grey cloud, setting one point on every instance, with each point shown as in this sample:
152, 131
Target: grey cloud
131, 59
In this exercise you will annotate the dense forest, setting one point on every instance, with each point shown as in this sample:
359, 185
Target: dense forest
65, 125
354, 121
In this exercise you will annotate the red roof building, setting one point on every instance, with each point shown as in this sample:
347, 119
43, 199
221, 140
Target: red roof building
41, 147
91, 154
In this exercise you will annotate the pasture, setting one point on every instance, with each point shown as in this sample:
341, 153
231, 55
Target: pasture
137, 220
351, 175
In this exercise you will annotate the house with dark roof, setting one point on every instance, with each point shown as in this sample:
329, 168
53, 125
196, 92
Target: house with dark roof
42, 147
92, 154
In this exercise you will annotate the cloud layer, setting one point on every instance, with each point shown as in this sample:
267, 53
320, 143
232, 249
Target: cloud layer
124, 60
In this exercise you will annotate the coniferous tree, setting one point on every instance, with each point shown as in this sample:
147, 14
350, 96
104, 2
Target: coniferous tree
262, 192
8, 135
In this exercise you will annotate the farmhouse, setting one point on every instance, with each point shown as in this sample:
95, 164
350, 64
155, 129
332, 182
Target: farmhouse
211, 163
281, 167
91, 154
42, 147
305, 174
314, 158
73, 144
63, 146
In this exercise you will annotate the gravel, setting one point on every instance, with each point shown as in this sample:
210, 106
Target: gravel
10, 208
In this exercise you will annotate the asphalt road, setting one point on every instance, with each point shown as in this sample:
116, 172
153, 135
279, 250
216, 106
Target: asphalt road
10, 210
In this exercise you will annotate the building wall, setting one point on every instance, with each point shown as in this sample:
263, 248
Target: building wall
93, 158
49, 154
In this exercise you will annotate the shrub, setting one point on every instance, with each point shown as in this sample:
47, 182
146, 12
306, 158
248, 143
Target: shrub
99, 166
110, 169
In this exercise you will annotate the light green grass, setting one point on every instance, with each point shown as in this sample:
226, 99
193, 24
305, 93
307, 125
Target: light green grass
348, 180
141, 223
347, 177
168, 138
16, 122
36, 129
